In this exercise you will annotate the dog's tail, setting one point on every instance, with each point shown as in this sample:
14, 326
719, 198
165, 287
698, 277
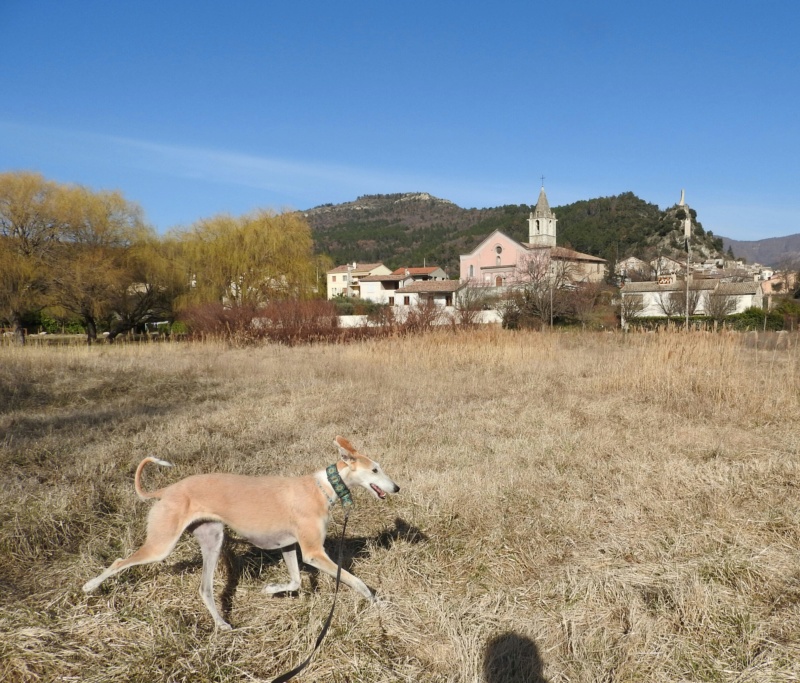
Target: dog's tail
137, 483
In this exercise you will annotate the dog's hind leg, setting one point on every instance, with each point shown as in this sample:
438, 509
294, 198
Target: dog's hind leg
163, 532
290, 558
210, 535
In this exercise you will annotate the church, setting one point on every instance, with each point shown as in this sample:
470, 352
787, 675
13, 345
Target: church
500, 261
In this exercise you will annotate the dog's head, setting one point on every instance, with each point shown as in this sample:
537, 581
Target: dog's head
363, 471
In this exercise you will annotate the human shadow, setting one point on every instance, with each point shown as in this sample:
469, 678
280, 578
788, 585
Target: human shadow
255, 563
512, 658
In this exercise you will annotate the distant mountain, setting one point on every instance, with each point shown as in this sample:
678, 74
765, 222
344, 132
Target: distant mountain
773, 251
409, 229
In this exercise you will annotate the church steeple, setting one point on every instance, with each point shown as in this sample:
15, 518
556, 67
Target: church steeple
542, 223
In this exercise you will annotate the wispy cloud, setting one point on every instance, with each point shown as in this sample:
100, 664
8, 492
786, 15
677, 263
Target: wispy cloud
189, 162
306, 181
235, 168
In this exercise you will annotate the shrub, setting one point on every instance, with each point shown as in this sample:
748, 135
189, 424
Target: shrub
790, 310
755, 319
289, 322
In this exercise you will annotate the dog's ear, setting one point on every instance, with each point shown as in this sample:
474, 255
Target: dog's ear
346, 449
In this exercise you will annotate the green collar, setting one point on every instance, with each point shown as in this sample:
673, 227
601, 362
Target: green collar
339, 486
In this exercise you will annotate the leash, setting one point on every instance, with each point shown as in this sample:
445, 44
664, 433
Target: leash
344, 494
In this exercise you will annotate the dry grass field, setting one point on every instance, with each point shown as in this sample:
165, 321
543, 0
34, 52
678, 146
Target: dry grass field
574, 507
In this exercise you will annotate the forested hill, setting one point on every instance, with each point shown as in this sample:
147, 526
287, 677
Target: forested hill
410, 229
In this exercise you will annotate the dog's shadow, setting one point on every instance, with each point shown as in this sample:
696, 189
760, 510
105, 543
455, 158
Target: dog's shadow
255, 564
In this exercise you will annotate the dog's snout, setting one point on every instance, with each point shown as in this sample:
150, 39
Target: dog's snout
396, 488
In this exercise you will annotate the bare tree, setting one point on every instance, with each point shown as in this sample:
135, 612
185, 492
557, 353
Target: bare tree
631, 306
542, 283
674, 303
720, 305
670, 303
582, 301
423, 315
469, 303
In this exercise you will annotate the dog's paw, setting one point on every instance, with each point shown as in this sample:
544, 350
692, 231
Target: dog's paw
275, 588
380, 603
223, 626
89, 586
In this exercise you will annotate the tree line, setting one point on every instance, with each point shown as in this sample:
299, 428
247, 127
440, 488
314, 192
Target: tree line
89, 257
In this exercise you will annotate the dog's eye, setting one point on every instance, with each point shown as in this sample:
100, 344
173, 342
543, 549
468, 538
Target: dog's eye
374, 470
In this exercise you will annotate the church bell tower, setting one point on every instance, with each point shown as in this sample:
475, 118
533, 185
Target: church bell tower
542, 224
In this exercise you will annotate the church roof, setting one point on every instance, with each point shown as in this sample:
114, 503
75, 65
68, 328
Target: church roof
565, 254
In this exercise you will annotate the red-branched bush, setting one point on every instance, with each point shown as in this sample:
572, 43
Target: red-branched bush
288, 322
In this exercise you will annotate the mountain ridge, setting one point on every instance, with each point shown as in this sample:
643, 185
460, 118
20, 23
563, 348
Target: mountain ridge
410, 228
776, 252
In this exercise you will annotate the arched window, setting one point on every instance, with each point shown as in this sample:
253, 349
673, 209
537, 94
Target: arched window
498, 281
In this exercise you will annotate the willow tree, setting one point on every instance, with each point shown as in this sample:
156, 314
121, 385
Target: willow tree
248, 260
30, 223
91, 264
152, 283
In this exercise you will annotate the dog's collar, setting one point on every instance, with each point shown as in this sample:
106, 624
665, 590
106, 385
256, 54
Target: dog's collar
335, 480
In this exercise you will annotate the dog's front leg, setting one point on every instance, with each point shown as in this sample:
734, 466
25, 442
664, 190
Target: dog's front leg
290, 558
321, 561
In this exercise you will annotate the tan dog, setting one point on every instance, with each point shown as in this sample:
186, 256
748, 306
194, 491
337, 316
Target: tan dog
270, 512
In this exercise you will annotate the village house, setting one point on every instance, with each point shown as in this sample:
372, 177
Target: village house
382, 288
438, 292
500, 262
345, 280
664, 265
668, 295
633, 268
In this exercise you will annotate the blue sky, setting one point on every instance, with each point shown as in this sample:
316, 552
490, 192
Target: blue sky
198, 108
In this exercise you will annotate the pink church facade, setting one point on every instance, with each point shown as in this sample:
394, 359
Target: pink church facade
500, 261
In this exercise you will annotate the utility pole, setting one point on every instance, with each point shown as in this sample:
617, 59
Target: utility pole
687, 234
688, 252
